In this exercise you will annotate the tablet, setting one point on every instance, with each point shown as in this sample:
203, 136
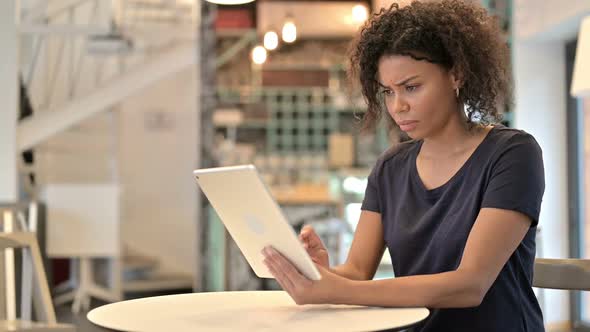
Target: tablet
252, 217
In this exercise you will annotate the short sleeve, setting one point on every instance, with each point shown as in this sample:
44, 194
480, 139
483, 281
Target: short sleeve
371, 200
517, 180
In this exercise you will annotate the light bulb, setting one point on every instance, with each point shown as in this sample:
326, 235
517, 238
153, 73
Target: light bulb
271, 40
259, 55
289, 32
359, 13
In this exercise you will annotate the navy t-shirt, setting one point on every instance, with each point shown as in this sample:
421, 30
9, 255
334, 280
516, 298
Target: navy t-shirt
426, 230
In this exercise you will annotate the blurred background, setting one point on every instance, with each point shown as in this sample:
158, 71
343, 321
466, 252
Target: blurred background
108, 106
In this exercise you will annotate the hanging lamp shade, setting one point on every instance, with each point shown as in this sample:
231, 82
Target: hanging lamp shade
229, 2
581, 77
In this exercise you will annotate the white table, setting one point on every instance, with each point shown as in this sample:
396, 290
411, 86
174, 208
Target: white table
247, 311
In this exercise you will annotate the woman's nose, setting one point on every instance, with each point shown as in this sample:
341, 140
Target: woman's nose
398, 105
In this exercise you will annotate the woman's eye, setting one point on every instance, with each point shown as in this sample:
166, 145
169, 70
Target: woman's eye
411, 88
387, 92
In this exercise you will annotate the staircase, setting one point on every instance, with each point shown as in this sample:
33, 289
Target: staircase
141, 274
55, 119
74, 133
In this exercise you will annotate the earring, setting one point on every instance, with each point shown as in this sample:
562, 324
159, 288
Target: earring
457, 92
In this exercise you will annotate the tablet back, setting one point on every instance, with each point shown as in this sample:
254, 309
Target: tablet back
252, 217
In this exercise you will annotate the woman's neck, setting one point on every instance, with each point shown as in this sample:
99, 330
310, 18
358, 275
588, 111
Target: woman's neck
455, 137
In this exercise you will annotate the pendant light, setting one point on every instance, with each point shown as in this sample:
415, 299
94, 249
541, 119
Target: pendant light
229, 2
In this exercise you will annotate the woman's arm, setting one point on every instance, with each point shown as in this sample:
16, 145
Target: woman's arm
366, 250
494, 237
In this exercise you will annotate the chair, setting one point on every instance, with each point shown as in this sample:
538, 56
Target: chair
569, 274
33, 264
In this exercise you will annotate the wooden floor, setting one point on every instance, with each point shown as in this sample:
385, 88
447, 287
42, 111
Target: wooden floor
65, 315
64, 312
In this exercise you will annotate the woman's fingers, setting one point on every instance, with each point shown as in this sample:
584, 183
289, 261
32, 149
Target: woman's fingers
278, 268
313, 245
278, 277
309, 236
291, 276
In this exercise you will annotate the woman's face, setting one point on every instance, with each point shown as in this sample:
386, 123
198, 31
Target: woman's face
419, 95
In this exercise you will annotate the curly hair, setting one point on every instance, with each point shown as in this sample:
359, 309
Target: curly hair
457, 35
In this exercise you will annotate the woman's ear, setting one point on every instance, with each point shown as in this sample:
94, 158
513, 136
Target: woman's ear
456, 78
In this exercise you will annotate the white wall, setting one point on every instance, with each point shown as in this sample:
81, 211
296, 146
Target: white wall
540, 110
8, 102
156, 162
541, 29
548, 19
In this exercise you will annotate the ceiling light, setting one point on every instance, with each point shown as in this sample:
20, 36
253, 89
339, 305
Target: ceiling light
289, 31
360, 13
271, 40
259, 55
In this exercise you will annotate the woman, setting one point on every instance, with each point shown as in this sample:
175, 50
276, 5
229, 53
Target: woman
457, 205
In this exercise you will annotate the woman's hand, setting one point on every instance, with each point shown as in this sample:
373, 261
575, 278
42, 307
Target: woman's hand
301, 289
314, 246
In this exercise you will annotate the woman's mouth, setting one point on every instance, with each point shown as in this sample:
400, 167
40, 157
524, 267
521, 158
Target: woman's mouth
408, 125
